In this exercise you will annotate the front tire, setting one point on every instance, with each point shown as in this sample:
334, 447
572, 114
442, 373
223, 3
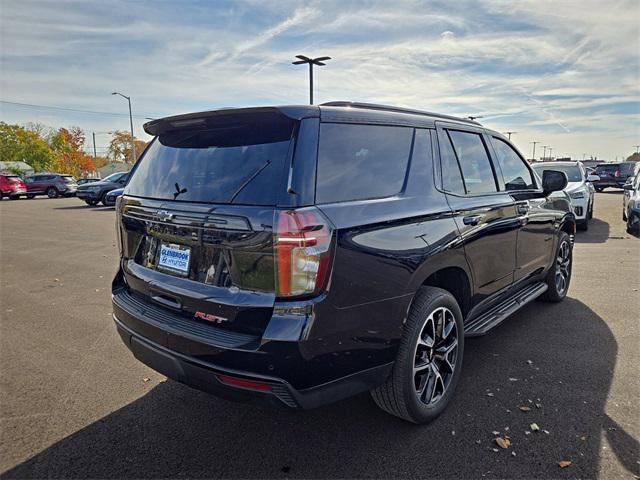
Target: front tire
429, 360
559, 275
91, 203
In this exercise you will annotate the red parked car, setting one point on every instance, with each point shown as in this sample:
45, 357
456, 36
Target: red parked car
11, 186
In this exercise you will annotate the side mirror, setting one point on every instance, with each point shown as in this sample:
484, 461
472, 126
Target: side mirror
592, 178
628, 186
553, 181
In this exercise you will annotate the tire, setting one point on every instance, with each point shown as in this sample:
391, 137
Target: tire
14, 197
51, 192
599, 189
559, 275
404, 393
30, 196
92, 203
103, 199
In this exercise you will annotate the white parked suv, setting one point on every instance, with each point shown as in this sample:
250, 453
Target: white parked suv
579, 188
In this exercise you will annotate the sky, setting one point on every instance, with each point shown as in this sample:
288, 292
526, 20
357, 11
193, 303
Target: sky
563, 73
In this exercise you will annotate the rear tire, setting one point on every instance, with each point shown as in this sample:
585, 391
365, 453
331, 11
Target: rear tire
429, 360
559, 275
14, 197
91, 203
30, 196
52, 192
103, 199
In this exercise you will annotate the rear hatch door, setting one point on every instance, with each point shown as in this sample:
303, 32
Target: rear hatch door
197, 215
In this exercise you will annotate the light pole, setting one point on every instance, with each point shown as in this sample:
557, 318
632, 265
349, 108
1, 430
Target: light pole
637, 147
133, 142
311, 61
534, 150
550, 150
544, 152
509, 134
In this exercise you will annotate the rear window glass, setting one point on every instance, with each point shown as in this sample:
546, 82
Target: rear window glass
573, 172
240, 161
357, 162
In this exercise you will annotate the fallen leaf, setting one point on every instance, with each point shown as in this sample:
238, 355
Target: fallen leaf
56, 279
495, 433
529, 362
546, 431
97, 289
564, 463
512, 379
453, 432
503, 442
478, 442
524, 408
495, 449
146, 379
538, 405
534, 427
489, 394
513, 454
583, 438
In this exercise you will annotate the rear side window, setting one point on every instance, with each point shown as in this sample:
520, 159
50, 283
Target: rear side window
357, 162
241, 161
451, 174
474, 162
515, 173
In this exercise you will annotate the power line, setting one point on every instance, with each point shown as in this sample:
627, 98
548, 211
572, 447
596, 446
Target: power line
93, 112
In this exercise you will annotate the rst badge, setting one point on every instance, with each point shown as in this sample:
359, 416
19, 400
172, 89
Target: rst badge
210, 317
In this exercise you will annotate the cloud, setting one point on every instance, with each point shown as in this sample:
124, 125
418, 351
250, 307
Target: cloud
566, 73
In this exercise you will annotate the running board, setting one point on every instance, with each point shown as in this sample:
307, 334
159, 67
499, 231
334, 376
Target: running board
480, 325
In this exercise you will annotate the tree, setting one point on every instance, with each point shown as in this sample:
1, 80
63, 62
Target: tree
70, 158
120, 147
18, 144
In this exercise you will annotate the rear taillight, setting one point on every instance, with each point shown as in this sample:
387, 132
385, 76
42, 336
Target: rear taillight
303, 242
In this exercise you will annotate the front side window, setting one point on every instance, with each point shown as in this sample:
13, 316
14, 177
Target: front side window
514, 171
357, 162
474, 162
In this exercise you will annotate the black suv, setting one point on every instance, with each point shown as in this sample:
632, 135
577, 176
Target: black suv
614, 174
304, 254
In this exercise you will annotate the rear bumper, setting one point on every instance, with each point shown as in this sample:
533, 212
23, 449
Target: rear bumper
84, 195
206, 377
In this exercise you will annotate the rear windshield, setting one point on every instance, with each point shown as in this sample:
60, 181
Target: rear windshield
242, 161
572, 171
608, 168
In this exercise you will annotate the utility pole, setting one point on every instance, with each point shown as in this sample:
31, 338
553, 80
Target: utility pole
583, 155
133, 142
550, 150
544, 152
534, 149
94, 144
509, 134
637, 147
311, 61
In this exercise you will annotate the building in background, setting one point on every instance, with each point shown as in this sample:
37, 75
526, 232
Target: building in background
20, 168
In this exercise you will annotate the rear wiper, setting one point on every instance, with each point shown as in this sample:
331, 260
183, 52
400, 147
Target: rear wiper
249, 180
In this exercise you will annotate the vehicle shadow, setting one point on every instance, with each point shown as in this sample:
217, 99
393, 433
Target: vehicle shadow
554, 359
598, 232
78, 207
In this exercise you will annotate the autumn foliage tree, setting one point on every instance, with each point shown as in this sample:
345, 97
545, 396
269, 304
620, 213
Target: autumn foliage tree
17, 144
67, 145
120, 147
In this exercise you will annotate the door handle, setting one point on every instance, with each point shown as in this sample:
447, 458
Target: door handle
522, 208
472, 219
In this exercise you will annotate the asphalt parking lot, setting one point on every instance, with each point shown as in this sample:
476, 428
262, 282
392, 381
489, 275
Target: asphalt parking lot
75, 403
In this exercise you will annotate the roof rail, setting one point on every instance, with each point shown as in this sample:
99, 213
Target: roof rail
388, 108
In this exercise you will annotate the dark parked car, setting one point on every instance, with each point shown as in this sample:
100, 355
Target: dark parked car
631, 204
11, 186
112, 196
52, 185
304, 254
96, 192
83, 181
614, 174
